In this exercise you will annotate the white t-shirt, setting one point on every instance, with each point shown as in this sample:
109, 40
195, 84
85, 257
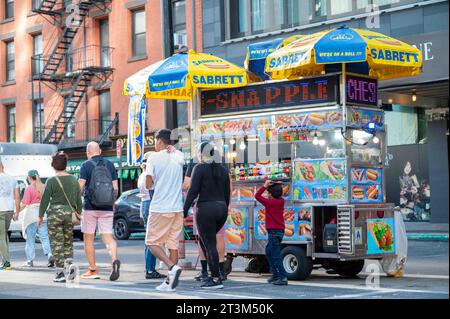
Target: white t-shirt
7, 186
166, 170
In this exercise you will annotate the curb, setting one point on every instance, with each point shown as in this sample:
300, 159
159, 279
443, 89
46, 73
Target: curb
427, 237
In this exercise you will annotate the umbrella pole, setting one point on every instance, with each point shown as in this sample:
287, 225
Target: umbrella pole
344, 98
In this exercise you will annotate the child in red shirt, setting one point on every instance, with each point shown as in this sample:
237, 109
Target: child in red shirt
274, 205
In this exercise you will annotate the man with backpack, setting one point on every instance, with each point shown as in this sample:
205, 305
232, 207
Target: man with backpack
98, 180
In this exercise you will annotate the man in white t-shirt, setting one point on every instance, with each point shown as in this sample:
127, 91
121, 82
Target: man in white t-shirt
165, 173
9, 200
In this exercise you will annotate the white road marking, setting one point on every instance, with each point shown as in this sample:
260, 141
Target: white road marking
172, 295
342, 286
361, 295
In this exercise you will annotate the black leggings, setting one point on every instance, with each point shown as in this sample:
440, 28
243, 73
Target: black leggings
210, 217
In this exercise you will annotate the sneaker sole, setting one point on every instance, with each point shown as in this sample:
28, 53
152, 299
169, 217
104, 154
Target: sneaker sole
176, 279
116, 271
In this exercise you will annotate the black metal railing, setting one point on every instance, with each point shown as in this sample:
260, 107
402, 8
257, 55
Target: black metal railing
93, 57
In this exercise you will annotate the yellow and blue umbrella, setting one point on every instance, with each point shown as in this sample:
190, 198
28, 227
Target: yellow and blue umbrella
362, 51
178, 76
257, 53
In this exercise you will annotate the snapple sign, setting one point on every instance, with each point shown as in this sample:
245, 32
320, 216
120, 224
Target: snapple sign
362, 91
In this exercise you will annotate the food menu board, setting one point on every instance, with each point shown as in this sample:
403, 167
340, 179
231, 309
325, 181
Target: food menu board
359, 118
366, 186
380, 236
297, 223
321, 180
247, 193
236, 127
310, 120
236, 229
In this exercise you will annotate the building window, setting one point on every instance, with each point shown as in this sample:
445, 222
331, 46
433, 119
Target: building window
182, 113
139, 42
105, 58
104, 110
238, 18
36, 4
10, 65
38, 64
340, 6
11, 123
179, 24
403, 126
38, 121
259, 15
9, 9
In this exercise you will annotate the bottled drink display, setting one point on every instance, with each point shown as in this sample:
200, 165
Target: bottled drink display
252, 172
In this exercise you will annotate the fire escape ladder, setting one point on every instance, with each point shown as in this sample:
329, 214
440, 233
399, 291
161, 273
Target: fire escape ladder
76, 95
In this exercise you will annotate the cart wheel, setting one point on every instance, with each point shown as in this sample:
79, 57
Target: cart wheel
263, 265
296, 263
253, 266
227, 265
349, 268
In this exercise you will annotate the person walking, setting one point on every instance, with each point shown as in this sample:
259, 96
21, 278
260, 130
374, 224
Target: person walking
9, 200
146, 198
98, 180
211, 184
30, 207
61, 197
274, 205
220, 237
165, 224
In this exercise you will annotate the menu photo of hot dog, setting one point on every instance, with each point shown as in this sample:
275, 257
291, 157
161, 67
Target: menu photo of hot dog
373, 193
373, 175
236, 228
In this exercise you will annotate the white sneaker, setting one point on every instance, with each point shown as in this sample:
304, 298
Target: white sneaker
165, 287
174, 276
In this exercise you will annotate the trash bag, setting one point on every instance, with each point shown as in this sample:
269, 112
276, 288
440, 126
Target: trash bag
394, 265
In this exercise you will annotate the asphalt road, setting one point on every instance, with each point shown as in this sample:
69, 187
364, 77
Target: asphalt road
427, 277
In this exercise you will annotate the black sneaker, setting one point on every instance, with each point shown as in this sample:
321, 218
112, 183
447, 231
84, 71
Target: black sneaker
280, 282
202, 276
154, 275
60, 277
212, 284
115, 273
51, 262
271, 279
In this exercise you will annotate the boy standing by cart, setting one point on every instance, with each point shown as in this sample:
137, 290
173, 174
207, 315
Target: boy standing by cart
274, 205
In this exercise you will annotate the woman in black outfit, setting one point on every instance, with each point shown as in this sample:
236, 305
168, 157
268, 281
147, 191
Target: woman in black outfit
211, 184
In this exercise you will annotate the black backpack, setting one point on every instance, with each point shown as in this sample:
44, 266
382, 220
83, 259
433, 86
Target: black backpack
101, 191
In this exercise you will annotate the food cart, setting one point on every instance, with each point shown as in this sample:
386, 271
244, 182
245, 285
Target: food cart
324, 138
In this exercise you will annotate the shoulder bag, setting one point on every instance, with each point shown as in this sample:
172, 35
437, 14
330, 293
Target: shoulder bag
76, 218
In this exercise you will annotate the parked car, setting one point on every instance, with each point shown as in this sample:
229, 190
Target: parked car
127, 219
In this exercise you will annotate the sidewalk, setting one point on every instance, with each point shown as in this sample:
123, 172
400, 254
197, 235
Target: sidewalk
426, 231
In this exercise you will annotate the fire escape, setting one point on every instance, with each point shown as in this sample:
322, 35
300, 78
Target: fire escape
70, 71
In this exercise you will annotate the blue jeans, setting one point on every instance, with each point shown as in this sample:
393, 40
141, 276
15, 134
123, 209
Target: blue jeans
273, 253
42, 232
150, 260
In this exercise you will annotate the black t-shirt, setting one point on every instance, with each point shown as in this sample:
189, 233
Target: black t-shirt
190, 168
86, 172
207, 186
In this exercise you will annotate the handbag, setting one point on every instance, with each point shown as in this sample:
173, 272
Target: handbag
76, 218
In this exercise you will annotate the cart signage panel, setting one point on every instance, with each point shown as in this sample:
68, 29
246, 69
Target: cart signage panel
297, 222
303, 92
320, 180
380, 236
361, 90
236, 229
359, 118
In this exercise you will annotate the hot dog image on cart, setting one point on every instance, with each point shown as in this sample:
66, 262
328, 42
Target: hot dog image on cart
320, 132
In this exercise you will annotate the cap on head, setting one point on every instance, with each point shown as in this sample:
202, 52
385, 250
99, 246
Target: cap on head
33, 173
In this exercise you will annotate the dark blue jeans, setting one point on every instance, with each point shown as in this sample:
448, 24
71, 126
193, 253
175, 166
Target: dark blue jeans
150, 260
273, 253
